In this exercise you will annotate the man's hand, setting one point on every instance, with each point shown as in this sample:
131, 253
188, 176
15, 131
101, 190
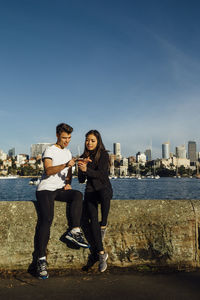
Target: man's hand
71, 163
67, 187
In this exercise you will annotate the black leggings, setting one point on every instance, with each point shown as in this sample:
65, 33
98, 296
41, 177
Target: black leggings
91, 202
45, 210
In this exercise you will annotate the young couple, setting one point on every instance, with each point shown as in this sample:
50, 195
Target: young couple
56, 185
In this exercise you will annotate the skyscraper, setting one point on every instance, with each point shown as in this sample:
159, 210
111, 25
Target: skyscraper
181, 151
11, 152
148, 154
117, 150
165, 150
192, 152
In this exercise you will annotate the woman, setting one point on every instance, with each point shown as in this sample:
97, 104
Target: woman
94, 167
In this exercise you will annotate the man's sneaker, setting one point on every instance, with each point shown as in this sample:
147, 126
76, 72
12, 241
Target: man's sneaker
42, 269
103, 233
102, 262
77, 238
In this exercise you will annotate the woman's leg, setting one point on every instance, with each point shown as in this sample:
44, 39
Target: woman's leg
105, 207
91, 201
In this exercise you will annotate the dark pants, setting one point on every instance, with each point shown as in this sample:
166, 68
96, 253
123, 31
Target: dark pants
45, 210
91, 224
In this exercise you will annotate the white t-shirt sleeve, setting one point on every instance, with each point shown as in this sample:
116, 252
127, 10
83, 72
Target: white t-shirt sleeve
48, 153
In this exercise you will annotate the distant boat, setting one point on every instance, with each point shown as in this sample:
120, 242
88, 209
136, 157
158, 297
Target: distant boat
113, 177
9, 177
34, 181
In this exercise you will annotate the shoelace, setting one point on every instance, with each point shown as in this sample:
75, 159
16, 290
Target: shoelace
42, 266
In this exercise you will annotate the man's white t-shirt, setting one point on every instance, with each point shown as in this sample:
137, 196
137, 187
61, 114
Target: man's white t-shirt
58, 157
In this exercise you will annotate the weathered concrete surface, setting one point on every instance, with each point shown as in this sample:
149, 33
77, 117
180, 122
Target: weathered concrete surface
161, 233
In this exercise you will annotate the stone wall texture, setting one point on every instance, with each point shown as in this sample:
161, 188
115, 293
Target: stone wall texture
161, 233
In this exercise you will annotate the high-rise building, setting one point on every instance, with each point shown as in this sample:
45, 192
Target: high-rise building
11, 152
117, 150
181, 151
192, 152
166, 150
38, 149
148, 154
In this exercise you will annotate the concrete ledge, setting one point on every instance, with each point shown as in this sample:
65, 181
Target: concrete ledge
162, 233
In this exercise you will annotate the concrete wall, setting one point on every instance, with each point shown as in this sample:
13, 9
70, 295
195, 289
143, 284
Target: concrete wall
163, 233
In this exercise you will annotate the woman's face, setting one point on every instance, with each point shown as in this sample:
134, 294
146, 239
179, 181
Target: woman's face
91, 142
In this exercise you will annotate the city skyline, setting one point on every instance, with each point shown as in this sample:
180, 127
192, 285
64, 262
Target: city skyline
129, 69
116, 149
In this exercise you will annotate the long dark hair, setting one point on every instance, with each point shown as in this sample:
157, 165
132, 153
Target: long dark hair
99, 148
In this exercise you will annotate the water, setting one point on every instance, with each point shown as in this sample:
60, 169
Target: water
163, 188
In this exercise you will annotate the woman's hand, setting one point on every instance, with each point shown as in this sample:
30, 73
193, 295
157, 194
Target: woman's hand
67, 187
82, 164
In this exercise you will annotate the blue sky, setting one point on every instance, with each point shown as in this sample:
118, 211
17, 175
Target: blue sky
130, 69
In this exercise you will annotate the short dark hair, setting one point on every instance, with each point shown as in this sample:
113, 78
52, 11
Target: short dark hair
63, 127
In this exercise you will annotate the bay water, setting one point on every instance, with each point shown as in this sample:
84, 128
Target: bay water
123, 188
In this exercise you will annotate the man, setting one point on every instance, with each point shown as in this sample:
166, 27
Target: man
56, 185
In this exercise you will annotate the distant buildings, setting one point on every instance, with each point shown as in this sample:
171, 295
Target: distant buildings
192, 152
21, 159
148, 155
166, 150
3, 155
141, 158
11, 152
117, 150
38, 149
181, 151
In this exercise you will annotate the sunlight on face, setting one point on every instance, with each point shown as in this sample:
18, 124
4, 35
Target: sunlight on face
91, 142
63, 139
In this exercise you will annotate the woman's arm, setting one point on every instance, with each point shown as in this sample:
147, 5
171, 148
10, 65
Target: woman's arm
102, 168
81, 176
82, 167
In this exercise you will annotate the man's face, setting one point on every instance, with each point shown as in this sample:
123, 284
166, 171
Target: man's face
63, 139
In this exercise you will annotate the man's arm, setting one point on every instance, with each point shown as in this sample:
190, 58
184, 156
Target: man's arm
68, 179
52, 170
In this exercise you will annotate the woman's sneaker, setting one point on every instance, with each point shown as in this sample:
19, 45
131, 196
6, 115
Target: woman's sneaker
77, 238
102, 262
42, 269
92, 259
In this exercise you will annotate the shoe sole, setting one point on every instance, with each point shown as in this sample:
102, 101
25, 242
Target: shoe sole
105, 265
43, 277
77, 243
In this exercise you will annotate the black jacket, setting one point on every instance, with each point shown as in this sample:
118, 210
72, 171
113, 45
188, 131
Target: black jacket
96, 174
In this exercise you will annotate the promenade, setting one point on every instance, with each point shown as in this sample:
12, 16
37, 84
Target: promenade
109, 285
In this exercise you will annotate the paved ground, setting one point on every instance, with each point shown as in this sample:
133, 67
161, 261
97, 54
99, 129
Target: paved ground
125, 286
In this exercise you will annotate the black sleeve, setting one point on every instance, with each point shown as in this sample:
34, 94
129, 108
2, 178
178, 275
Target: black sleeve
81, 176
102, 168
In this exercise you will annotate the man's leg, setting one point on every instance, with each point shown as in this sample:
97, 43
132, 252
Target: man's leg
45, 210
74, 199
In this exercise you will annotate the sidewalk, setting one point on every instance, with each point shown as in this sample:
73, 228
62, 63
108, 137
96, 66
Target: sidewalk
116, 286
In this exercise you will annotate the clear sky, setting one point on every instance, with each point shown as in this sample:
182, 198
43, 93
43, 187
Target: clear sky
128, 68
